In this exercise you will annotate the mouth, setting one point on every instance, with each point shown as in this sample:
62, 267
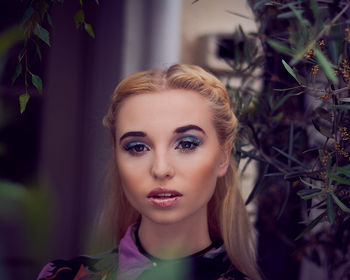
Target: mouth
163, 198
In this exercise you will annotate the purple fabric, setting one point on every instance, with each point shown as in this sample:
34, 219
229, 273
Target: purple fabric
131, 263
46, 271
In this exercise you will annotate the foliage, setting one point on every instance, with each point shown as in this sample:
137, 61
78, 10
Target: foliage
35, 29
306, 103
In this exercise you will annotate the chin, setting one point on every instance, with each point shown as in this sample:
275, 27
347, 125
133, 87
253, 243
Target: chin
166, 218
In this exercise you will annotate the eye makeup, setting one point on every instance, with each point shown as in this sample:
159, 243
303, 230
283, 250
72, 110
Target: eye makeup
188, 143
135, 147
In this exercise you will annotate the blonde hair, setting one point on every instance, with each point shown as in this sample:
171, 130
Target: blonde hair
227, 215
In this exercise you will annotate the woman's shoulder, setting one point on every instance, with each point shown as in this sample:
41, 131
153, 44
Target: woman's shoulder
98, 265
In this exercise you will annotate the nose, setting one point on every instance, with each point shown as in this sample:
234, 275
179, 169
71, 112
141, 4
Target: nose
162, 168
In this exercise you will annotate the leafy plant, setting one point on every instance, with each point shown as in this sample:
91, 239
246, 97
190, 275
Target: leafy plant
35, 29
305, 101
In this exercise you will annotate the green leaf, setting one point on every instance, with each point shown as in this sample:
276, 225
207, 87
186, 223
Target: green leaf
288, 156
23, 101
279, 47
287, 15
290, 70
293, 175
37, 82
258, 186
343, 170
243, 35
326, 66
341, 205
49, 19
286, 89
42, 33
97, 2
89, 30
79, 18
38, 51
309, 193
311, 225
302, 21
310, 185
330, 209
347, 107
27, 15
81, 2
246, 154
289, 4
338, 179
315, 9
284, 99
345, 99
258, 4
240, 15
17, 72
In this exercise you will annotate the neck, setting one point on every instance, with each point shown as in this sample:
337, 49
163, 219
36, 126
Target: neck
176, 240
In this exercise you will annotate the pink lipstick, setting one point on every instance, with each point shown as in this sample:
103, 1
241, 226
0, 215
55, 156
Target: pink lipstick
163, 198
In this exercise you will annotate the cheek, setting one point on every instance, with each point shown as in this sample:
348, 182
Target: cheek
202, 173
132, 175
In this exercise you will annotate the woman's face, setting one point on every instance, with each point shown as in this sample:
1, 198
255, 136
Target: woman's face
168, 155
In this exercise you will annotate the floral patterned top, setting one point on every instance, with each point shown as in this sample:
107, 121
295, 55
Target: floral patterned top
128, 263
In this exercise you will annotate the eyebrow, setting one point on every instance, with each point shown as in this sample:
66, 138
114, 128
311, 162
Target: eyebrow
185, 128
133, 133
180, 129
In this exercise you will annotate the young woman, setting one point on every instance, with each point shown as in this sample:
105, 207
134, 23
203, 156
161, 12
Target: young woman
174, 206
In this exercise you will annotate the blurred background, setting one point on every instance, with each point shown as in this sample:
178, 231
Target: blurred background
54, 156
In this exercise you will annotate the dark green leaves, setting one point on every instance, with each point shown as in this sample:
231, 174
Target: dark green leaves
23, 100
290, 71
42, 33
330, 209
79, 18
341, 205
259, 3
309, 193
311, 225
17, 72
326, 66
36, 81
280, 47
89, 30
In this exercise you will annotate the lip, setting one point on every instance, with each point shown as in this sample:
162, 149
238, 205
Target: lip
159, 201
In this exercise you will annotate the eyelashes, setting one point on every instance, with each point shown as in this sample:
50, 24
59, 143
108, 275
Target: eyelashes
185, 145
136, 148
188, 143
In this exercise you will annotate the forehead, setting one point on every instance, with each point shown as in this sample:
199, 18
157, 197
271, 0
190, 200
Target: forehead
168, 108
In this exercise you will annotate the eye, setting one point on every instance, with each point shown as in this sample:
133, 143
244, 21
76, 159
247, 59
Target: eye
187, 144
136, 148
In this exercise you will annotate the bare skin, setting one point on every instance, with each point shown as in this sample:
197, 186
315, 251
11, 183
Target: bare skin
169, 159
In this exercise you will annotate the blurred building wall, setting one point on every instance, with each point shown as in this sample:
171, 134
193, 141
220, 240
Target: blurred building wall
81, 75
206, 17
